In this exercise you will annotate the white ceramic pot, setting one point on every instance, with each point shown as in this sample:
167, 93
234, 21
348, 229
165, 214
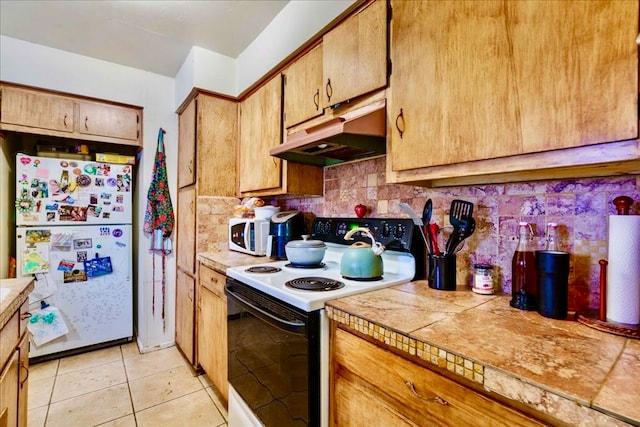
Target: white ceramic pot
305, 251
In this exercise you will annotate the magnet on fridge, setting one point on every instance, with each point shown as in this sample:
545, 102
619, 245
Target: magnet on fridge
98, 266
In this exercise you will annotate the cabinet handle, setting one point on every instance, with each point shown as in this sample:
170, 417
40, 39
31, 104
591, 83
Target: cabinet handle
190, 167
25, 315
191, 207
22, 366
399, 119
436, 399
329, 90
86, 119
316, 99
64, 121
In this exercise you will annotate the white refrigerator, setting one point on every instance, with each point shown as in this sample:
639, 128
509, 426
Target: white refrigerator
74, 235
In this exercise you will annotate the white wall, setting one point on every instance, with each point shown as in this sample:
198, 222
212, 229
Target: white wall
40, 66
298, 22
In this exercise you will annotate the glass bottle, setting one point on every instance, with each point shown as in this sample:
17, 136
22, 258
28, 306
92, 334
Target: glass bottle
523, 271
552, 237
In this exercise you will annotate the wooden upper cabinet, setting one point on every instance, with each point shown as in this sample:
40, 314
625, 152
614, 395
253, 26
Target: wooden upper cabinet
355, 55
36, 109
207, 152
42, 112
259, 173
187, 145
108, 120
481, 80
302, 88
261, 129
216, 146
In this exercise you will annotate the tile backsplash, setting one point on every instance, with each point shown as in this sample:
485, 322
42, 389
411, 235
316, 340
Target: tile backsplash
581, 208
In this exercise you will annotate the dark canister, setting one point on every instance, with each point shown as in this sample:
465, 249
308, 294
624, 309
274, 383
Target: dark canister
442, 272
552, 268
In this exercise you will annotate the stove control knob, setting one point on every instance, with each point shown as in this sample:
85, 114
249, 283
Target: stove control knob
398, 232
386, 230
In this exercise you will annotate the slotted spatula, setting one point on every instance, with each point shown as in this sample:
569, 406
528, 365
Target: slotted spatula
459, 210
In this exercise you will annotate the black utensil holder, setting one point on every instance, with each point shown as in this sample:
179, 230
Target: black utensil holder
442, 272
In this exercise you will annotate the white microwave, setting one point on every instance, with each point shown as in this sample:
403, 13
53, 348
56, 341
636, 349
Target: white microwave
248, 235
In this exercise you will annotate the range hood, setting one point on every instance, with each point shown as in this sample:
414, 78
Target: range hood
357, 134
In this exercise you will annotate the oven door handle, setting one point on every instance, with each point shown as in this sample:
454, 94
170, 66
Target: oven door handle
295, 327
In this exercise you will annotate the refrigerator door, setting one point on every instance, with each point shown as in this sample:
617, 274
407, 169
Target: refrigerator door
84, 272
51, 191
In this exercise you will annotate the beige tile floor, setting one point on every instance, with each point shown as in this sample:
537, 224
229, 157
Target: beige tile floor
119, 387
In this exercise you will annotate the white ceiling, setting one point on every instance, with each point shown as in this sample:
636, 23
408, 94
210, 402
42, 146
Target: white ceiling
149, 35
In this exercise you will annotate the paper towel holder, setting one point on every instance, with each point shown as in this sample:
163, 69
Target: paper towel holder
596, 318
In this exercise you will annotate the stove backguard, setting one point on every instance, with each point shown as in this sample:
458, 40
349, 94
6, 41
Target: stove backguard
396, 234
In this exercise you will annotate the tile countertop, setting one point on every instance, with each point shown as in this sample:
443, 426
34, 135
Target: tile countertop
561, 368
18, 292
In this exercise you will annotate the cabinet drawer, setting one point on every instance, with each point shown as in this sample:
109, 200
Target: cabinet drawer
9, 337
212, 280
419, 392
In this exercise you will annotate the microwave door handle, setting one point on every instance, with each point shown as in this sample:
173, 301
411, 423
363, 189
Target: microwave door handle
247, 233
296, 327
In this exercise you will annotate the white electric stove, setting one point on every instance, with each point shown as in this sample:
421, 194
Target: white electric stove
278, 335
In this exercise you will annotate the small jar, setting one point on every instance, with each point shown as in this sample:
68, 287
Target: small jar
482, 279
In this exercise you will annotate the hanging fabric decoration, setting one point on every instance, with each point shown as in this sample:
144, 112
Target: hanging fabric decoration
159, 218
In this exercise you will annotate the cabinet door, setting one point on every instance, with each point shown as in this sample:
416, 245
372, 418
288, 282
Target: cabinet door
9, 391
412, 392
212, 329
302, 84
23, 386
109, 120
35, 109
187, 145
185, 314
186, 230
355, 55
260, 130
217, 146
479, 80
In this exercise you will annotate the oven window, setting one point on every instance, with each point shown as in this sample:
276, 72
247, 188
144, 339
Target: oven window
269, 367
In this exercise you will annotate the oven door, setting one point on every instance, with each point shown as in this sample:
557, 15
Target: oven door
274, 357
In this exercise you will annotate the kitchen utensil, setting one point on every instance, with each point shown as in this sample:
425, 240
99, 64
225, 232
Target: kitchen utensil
427, 210
362, 261
305, 252
459, 209
416, 220
434, 229
459, 214
466, 229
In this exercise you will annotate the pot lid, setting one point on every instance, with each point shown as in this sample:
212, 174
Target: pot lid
306, 243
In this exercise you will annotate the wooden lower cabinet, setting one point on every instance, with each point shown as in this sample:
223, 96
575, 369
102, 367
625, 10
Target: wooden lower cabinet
185, 314
212, 328
14, 369
373, 386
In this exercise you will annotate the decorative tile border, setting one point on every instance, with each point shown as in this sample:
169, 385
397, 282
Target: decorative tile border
437, 356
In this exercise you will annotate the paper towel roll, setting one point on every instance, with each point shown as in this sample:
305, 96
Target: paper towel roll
623, 272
